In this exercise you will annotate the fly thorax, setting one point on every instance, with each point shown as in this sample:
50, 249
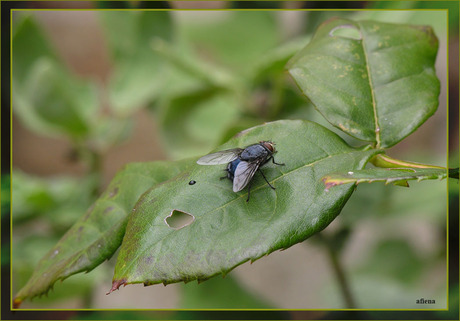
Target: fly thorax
254, 152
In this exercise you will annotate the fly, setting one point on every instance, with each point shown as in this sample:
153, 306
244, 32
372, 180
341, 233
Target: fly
243, 163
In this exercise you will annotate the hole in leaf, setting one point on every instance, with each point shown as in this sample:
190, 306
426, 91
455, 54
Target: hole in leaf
179, 219
346, 31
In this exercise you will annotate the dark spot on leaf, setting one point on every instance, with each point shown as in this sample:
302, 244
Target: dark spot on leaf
149, 259
80, 230
108, 209
192, 182
113, 192
346, 31
178, 219
116, 285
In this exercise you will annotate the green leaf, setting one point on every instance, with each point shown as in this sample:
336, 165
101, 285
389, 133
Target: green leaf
56, 200
51, 101
375, 81
95, 237
227, 231
193, 123
29, 44
387, 175
48, 99
184, 61
138, 74
237, 39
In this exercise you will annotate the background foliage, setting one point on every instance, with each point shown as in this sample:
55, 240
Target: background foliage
202, 82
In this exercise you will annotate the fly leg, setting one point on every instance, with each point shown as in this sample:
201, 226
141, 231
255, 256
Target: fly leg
266, 179
273, 161
249, 190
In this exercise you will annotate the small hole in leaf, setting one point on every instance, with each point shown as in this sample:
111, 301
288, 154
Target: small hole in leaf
346, 31
179, 219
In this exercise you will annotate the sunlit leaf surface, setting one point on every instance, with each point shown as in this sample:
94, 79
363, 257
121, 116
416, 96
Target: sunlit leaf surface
227, 231
375, 81
95, 237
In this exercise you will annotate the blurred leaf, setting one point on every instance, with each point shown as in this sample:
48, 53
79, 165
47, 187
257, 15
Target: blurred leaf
420, 202
193, 123
29, 44
408, 12
237, 39
377, 84
95, 237
138, 74
110, 131
47, 98
61, 199
203, 71
275, 59
219, 293
387, 175
395, 259
374, 292
52, 102
227, 230
237, 126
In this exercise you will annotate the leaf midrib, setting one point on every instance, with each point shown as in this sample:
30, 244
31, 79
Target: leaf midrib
235, 199
371, 87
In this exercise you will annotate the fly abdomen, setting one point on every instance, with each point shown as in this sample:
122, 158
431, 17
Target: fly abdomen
231, 167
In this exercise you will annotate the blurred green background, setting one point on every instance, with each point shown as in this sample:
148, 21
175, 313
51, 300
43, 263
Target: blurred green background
93, 90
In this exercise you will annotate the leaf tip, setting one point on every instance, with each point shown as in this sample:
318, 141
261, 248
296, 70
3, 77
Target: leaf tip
16, 303
116, 285
328, 182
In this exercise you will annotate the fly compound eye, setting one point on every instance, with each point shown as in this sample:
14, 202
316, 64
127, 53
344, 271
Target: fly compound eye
269, 145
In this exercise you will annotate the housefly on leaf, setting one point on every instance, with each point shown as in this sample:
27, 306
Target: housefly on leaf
243, 163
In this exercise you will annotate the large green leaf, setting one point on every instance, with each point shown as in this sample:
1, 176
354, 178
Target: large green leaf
96, 236
375, 81
225, 230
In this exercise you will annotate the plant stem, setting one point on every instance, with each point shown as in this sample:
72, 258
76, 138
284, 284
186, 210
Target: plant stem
339, 272
93, 160
385, 161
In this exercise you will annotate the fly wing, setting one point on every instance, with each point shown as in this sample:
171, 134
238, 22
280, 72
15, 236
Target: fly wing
222, 157
243, 174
